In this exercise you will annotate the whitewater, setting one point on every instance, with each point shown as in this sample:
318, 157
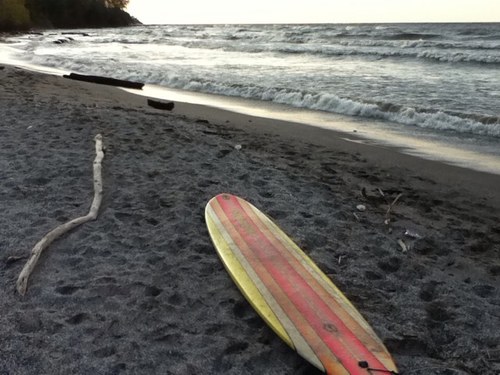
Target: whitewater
409, 83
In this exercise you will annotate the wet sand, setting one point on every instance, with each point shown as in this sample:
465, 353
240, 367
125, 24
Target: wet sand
141, 289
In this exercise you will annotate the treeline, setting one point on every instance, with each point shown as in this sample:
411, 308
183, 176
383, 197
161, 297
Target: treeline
14, 15
24, 14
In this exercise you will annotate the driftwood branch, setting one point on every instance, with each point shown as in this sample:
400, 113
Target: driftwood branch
389, 209
22, 281
105, 81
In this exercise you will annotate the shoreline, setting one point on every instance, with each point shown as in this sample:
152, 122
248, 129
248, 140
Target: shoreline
454, 149
481, 184
141, 289
356, 129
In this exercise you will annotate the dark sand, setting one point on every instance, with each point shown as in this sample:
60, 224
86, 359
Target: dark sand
142, 291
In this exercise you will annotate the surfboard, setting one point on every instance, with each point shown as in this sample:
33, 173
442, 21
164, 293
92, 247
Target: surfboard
293, 296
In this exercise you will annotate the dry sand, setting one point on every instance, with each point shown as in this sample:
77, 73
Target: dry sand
142, 291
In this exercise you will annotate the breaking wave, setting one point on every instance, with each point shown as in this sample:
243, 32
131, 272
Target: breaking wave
421, 117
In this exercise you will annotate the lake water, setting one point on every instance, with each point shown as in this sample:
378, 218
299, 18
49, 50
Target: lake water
433, 89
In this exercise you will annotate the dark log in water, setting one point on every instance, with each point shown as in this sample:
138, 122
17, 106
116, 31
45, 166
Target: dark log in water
105, 81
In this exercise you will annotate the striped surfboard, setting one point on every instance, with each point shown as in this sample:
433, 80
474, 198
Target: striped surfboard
295, 298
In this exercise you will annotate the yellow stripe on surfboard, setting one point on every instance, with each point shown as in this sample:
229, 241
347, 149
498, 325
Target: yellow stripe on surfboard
241, 278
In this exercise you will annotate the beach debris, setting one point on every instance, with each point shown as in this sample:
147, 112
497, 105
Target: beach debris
22, 281
237, 147
412, 234
403, 246
361, 207
74, 33
389, 209
105, 81
167, 106
356, 216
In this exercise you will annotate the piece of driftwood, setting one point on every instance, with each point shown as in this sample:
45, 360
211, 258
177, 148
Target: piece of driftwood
22, 281
105, 81
392, 204
168, 106
389, 209
403, 245
74, 33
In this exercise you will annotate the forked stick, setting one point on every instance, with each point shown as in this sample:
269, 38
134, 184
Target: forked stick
22, 281
388, 213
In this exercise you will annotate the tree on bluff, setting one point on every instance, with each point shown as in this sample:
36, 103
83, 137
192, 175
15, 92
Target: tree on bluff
79, 13
13, 15
22, 14
120, 4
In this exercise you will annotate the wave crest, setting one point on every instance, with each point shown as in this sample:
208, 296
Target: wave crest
420, 117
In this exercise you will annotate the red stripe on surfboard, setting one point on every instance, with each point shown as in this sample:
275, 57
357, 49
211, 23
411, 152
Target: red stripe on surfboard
287, 277
341, 309
321, 292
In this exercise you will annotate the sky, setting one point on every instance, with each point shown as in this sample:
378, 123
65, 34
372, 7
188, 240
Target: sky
313, 11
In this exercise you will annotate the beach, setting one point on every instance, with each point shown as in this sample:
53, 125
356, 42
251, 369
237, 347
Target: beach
141, 289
